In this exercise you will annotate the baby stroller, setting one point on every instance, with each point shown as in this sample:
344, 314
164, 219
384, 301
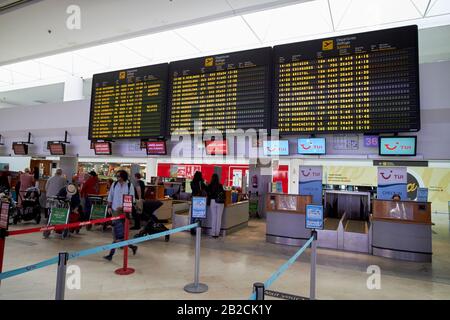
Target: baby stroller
31, 208
153, 225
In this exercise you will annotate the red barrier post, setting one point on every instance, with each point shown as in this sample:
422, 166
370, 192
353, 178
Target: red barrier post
125, 270
2, 247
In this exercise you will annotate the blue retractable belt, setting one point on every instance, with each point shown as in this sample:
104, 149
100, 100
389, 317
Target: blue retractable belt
87, 252
283, 268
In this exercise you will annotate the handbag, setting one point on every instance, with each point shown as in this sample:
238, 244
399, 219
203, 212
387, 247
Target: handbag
220, 198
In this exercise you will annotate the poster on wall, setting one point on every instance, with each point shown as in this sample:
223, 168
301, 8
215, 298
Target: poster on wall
392, 180
310, 182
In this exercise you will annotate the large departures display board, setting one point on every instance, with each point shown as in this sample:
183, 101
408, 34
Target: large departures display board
227, 91
366, 82
129, 103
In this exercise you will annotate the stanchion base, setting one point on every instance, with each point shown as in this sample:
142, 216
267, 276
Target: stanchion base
196, 288
124, 272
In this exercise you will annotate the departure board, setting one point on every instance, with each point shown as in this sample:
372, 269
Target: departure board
366, 82
227, 91
129, 103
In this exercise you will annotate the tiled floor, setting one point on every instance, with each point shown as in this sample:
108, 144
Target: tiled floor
229, 266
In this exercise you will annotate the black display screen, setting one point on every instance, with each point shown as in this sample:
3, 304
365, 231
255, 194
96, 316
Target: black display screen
129, 103
366, 82
226, 91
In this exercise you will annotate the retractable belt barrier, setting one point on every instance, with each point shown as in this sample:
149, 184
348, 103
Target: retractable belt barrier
63, 226
280, 271
83, 253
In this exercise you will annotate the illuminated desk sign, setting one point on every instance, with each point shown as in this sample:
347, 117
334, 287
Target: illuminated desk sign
397, 146
102, 148
156, 148
311, 146
276, 147
57, 148
20, 148
216, 147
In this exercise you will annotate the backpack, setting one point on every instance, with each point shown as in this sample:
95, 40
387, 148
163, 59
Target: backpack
129, 186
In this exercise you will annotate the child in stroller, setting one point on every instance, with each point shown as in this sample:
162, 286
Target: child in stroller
153, 225
31, 207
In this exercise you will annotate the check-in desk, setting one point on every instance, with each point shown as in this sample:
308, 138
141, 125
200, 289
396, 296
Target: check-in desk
235, 217
285, 219
346, 221
402, 230
180, 213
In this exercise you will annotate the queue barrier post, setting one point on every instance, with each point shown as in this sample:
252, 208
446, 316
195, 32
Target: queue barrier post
2, 248
312, 284
258, 289
196, 286
61, 275
125, 270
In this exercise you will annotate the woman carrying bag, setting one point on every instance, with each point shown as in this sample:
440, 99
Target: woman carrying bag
216, 200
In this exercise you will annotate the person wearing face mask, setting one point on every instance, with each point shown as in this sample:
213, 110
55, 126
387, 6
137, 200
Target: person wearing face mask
115, 206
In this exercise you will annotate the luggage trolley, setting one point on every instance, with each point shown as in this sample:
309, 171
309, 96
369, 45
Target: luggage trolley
55, 203
99, 210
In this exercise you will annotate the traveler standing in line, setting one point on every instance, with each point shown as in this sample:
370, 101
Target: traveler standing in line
89, 187
5, 178
54, 185
198, 187
36, 176
26, 181
216, 200
115, 205
140, 196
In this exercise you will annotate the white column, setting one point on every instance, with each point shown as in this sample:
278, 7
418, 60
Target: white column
69, 166
152, 168
73, 89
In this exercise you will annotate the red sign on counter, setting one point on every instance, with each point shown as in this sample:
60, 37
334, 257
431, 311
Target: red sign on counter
127, 203
4, 215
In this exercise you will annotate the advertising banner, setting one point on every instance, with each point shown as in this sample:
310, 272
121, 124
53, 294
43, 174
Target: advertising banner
58, 216
127, 203
98, 211
422, 195
4, 215
310, 182
199, 207
314, 217
392, 180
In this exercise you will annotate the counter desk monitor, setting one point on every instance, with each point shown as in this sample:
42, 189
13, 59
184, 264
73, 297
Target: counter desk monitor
216, 147
365, 82
20, 149
102, 148
129, 103
397, 146
226, 91
276, 147
156, 148
57, 148
311, 146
